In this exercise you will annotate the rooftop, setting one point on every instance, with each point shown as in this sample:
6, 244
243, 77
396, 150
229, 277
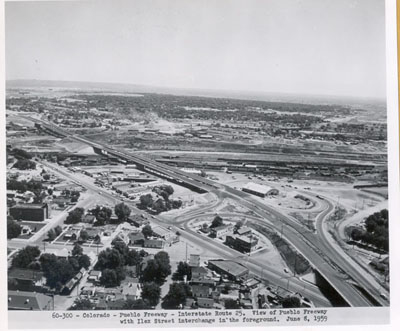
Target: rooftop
258, 188
29, 206
22, 300
25, 274
230, 267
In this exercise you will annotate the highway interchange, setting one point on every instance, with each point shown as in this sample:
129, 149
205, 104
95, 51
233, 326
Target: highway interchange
316, 247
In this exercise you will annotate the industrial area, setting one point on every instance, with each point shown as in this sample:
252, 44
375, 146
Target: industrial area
120, 200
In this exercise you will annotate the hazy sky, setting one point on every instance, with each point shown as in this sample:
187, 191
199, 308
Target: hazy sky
334, 47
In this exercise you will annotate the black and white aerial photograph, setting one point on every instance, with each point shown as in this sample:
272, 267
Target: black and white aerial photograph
189, 156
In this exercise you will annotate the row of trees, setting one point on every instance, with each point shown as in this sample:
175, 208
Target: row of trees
22, 186
102, 214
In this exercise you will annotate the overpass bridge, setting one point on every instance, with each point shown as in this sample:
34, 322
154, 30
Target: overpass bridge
311, 250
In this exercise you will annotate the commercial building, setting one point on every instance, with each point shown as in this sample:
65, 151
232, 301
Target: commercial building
30, 212
194, 260
222, 230
232, 269
259, 190
243, 244
21, 300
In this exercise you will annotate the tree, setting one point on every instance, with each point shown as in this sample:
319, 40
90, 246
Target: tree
138, 304
182, 270
51, 235
102, 214
178, 292
77, 250
226, 289
217, 221
75, 216
146, 201
24, 164
157, 269
83, 235
109, 278
164, 263
59, 273
25, 257
110, 259
159, 206
291, 302
46, 176
231, 304
147, 231
238, 225
58, 230
21, 154
151, 293
122, 211
133, 257
13, 229
84, 261
82, 304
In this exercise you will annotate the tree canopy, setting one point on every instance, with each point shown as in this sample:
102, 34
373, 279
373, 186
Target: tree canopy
178, 292
75, 216
13, 229
151, 293
122, 211
217, 221
25, 257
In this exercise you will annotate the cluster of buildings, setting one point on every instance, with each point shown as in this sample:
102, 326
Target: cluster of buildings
242, 239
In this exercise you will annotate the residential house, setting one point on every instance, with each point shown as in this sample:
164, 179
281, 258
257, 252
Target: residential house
25, 279
199, 272
153, 243
201, 291
136, 238
205, 303
94, 276
89, 219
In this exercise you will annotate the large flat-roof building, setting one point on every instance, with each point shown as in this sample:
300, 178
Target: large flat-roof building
21, 300
230, 268
259, 190
30, 212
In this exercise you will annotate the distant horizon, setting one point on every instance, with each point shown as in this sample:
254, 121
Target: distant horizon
305, 48
141, 88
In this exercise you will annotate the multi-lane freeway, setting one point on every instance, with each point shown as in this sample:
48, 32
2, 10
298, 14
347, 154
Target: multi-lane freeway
334, 269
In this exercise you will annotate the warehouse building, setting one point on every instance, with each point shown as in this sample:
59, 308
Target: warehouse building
259, 190
232, 269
